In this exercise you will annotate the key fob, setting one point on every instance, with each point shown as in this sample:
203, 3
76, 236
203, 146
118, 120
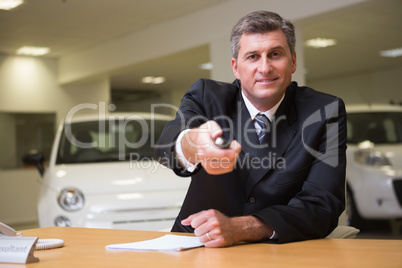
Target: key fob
222, 143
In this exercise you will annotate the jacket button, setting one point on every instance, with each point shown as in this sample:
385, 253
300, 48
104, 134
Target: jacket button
252, 200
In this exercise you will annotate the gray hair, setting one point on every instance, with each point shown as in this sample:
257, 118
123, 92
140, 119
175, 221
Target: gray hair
262, 22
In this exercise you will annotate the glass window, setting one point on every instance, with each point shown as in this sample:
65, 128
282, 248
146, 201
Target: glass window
105, 141
377, 127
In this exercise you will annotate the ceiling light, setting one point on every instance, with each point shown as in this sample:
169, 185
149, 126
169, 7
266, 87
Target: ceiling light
33, 51
147, 79
320, 42
153, 80
10, 4
158, 80
392, 53
206, 66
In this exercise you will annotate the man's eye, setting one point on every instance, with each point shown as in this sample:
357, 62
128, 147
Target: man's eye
252, 57
276, 54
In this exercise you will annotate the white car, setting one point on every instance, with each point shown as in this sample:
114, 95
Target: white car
374, 167
101, 174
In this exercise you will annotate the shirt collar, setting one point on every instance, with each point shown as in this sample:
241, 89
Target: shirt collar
254, 111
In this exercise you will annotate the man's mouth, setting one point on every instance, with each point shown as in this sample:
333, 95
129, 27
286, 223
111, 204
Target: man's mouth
266, 80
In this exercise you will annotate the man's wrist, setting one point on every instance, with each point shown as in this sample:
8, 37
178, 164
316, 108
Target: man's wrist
254, 229
187, 165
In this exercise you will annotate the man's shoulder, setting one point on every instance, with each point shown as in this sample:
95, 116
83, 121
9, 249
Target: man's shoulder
307, 101
210, 83
305, 94
208, 88
308, 92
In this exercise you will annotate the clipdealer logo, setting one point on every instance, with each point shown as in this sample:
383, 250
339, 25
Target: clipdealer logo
330, 156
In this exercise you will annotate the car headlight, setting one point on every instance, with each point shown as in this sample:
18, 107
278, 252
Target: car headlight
62, 221
71, 199
371, 157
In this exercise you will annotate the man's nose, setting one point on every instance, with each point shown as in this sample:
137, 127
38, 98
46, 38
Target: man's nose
265, 65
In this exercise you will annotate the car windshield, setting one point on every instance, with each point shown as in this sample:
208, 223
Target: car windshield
377, 127
111, 140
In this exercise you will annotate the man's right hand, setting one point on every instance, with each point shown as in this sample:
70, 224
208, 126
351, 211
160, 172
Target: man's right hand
198, 146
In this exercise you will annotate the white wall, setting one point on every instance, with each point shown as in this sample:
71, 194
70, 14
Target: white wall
29, 85
19, 191
379, 86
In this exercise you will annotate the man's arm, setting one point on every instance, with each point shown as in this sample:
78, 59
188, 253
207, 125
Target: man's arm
313, 212
217, 230
196, 108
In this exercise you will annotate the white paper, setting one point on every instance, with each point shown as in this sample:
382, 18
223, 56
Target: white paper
164, 243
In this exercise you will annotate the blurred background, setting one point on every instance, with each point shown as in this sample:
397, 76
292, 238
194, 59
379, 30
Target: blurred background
134, 53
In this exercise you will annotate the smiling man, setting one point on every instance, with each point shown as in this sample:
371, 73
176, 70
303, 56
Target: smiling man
282, 177
264, 66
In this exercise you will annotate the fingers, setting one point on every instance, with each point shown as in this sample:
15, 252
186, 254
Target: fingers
235, 145
197, 143
200, 223
208, 227
214, 129
198, 147
220, 161
204, 136
197, 219
187, 221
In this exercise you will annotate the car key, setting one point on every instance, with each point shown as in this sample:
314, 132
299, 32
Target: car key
222, 143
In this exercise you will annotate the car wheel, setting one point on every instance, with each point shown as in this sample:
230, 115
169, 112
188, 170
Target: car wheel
353, 217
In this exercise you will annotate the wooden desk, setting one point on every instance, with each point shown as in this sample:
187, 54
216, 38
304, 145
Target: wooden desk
86, 248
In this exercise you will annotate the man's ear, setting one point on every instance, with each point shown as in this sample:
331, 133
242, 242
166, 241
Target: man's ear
294, 64
234, 68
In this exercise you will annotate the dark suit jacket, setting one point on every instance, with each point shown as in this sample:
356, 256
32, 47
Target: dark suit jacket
296, 184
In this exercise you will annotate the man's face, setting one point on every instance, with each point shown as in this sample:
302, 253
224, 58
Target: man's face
264, 67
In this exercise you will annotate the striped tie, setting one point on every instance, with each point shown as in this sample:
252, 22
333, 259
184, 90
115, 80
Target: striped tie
262, 120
